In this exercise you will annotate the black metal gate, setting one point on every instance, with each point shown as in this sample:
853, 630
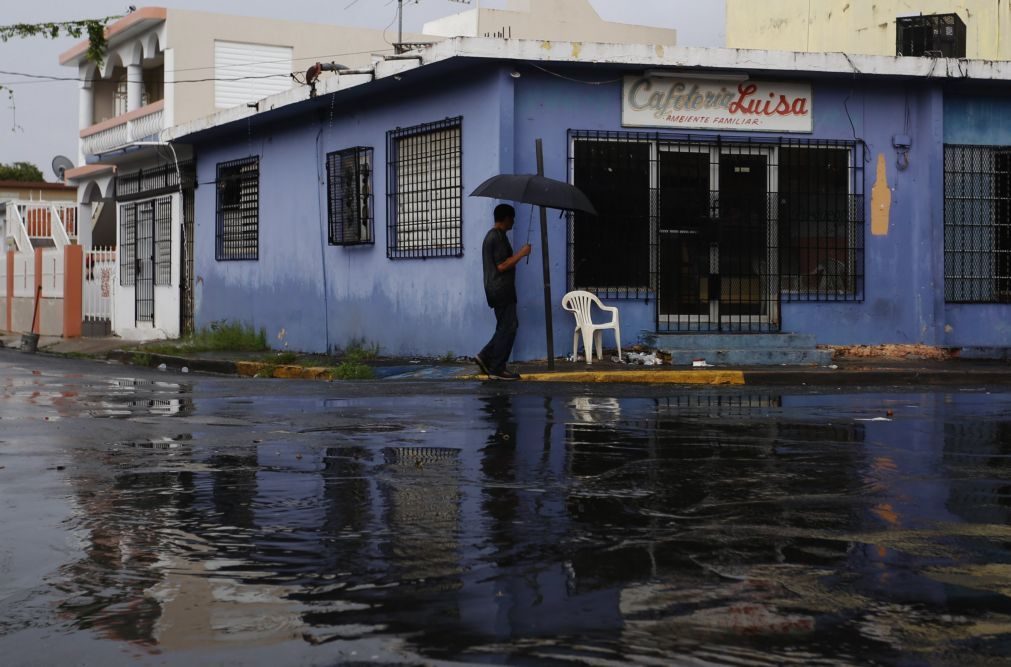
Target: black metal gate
144, 262
717, 233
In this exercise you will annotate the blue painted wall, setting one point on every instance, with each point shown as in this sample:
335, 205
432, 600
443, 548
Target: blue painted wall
324, 296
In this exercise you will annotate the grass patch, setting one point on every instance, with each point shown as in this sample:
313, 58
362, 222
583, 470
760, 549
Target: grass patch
220, 336
141, 359
352, 370
359, 350
283, 358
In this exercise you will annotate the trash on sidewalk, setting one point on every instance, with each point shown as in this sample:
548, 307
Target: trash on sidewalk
162, 367
643, 359
701, 363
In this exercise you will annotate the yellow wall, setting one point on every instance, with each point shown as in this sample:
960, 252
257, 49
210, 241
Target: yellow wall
861, 26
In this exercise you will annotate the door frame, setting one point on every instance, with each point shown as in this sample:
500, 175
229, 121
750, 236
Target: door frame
770, 290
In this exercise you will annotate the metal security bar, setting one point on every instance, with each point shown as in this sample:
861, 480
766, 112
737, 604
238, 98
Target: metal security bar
349, 196
977, 224
127, 244
163, 241
237, 233
155, 181
717, 231
424, 189
145, 263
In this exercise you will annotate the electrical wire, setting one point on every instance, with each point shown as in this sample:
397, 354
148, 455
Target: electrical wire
569, 78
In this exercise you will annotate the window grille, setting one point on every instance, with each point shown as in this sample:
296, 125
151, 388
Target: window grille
127, 244
163, 241
237, 233
425, 190
687, 220
977, 224
349, 196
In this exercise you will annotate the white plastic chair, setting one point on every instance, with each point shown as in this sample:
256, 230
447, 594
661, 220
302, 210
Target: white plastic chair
580, 304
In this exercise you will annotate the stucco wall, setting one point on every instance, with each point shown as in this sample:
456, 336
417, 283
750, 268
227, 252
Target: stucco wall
852, 26
191, 37
324, 296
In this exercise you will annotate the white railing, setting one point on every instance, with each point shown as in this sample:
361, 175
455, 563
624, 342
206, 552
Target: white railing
65, 223
99, 284
24, 275
105, 140
125, 132
53, 263
16, 228
146, 126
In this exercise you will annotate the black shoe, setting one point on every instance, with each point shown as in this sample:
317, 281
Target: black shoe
504, 375
480, 364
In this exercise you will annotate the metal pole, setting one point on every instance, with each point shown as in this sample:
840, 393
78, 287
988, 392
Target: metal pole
548, 328
400, 21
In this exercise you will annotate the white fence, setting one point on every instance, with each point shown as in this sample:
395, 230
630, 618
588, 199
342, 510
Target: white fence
24, 275
99, 284
53, 268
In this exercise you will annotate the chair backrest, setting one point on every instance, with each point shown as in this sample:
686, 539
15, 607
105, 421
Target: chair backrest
580, 303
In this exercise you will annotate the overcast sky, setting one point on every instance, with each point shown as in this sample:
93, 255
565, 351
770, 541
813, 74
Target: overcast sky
40, 121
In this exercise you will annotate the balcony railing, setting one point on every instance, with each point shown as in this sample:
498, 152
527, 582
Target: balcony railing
124, 129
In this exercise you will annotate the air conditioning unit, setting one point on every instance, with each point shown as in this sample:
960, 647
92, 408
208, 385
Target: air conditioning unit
933, 36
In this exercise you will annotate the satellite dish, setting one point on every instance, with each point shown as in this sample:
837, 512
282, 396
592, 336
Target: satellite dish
60, 164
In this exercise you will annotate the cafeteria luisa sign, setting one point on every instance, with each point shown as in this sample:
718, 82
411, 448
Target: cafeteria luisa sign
716, 104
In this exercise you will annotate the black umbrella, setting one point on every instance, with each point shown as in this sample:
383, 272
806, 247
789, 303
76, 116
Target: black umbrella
545, 192
536, 190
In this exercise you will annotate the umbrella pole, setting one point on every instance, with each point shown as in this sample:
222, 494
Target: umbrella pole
548, 328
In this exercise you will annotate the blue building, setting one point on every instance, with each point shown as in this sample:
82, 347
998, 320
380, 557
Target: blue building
854, 199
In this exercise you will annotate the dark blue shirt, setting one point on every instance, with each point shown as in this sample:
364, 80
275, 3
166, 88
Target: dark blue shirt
499, 286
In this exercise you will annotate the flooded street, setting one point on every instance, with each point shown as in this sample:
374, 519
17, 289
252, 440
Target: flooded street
157, 518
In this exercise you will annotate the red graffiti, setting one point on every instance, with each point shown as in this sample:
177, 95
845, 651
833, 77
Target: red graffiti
745, 104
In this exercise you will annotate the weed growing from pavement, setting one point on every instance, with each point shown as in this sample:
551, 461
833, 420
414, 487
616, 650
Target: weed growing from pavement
358, 350
218, 337
352, 370
141, 359
283, 358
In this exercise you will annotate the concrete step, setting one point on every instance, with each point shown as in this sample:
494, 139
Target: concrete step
764, 356
695, 341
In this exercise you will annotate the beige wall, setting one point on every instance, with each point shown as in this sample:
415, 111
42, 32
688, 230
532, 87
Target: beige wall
556, 20
191, 35
860, 26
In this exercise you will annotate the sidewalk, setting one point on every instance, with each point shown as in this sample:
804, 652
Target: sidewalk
867, 371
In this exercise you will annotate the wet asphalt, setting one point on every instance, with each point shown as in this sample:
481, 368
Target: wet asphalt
158, 518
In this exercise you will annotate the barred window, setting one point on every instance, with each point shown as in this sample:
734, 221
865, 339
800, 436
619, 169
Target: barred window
611, 250
821, 221
349, 196
163, 241
692, 219
977, 224
237, 233
127, 244
425, 191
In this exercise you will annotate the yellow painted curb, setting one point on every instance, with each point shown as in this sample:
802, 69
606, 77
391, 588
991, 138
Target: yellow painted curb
635, 377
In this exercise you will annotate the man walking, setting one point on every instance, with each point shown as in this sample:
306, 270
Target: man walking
500, 289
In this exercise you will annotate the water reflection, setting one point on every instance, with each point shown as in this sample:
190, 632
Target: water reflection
762, 529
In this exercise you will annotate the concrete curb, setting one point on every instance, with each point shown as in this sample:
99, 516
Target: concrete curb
638, 377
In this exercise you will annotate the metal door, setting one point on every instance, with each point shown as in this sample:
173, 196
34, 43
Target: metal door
716, 245
144, 263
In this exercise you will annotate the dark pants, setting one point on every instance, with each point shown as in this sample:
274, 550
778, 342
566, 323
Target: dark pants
496, 352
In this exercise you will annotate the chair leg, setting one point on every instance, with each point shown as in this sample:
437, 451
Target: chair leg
588, 345
575, 345
617, 339
598, 339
